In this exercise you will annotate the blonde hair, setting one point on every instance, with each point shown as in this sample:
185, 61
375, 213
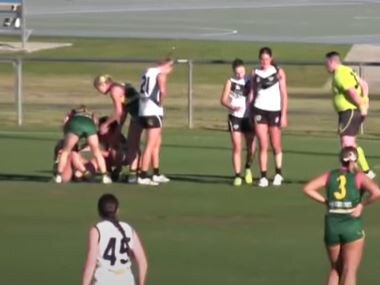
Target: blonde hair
103, 78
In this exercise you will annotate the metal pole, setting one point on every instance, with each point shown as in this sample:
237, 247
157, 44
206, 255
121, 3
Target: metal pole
23, 25
190, 95
18, 90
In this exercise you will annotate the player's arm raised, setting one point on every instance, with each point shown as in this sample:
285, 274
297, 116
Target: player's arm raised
92, 252
312, 188
284, 98
140, 257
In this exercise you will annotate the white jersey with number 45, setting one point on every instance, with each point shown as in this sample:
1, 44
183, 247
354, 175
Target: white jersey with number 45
114, 255
150, 96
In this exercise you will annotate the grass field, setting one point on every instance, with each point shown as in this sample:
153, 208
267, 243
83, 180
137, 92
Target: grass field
197, 229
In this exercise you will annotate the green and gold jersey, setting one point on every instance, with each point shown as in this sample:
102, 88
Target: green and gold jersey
345, 78
341, 192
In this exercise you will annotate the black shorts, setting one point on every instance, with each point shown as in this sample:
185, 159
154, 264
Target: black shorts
242, 125
349, 122
150, 122
270, 118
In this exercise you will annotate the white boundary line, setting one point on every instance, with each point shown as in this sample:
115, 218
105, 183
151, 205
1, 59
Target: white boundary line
122, 9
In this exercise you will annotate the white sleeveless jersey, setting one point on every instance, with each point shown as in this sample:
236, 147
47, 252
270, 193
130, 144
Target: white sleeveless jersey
268, 96
238, 96
150, 96
114, 255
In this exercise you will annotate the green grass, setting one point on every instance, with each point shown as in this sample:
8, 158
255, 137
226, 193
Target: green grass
197, 229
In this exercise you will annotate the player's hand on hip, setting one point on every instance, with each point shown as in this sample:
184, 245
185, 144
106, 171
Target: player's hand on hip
358, 210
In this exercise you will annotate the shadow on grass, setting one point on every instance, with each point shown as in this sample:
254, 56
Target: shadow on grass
24, 177
201, 178
26, 137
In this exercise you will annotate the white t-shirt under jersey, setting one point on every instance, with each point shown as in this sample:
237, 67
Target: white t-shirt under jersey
150, 96
238, 97
114, 261
268, 96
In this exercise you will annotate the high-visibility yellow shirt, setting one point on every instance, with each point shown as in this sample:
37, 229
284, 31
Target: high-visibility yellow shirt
345, 78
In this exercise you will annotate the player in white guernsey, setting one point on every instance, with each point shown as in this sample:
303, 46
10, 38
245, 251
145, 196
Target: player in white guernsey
270, 106
112, 245
151, 111
235, 98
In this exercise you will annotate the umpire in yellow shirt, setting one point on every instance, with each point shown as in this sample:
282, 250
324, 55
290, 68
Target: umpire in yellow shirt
351, 103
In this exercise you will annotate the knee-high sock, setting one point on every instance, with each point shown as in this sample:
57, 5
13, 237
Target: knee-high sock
362, 160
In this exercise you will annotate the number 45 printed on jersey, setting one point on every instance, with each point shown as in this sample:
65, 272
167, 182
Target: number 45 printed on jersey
111, 253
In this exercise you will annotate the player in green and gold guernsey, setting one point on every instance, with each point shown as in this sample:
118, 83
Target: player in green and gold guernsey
80, 123
351, 103
344, 236
125, 99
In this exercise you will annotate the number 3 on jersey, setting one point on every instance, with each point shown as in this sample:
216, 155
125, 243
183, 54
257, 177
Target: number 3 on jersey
110, 251
341, 194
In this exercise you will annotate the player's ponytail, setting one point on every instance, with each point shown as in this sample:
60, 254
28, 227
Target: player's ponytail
348, 158
107, 208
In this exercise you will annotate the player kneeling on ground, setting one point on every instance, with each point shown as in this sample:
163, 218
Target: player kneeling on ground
114, 148
81, 124
77, 167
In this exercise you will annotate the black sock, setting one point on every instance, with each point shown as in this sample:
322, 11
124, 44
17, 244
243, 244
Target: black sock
156, 171
278, 171
237, 174
143, 174
247, 165
263, 173
366, 172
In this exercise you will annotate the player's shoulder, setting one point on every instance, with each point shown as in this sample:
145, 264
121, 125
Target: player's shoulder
342, 71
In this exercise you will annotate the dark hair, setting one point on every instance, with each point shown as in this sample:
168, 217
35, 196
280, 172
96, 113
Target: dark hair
237, 62
265, 50
332, 54
112, 127
168, 59
107, 209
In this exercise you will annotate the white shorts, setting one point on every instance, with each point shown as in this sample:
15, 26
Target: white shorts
106, 277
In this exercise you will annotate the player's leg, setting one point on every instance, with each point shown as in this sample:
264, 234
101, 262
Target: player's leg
133, 149
70, 141
157, 176
93, 142
250, 141
352, 255
276, 141
236, 140
262, 136
349, 127
68, 171
335, 257
152, 135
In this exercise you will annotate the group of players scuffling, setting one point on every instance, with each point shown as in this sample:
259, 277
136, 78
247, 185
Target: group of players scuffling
110, 149
257, 105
